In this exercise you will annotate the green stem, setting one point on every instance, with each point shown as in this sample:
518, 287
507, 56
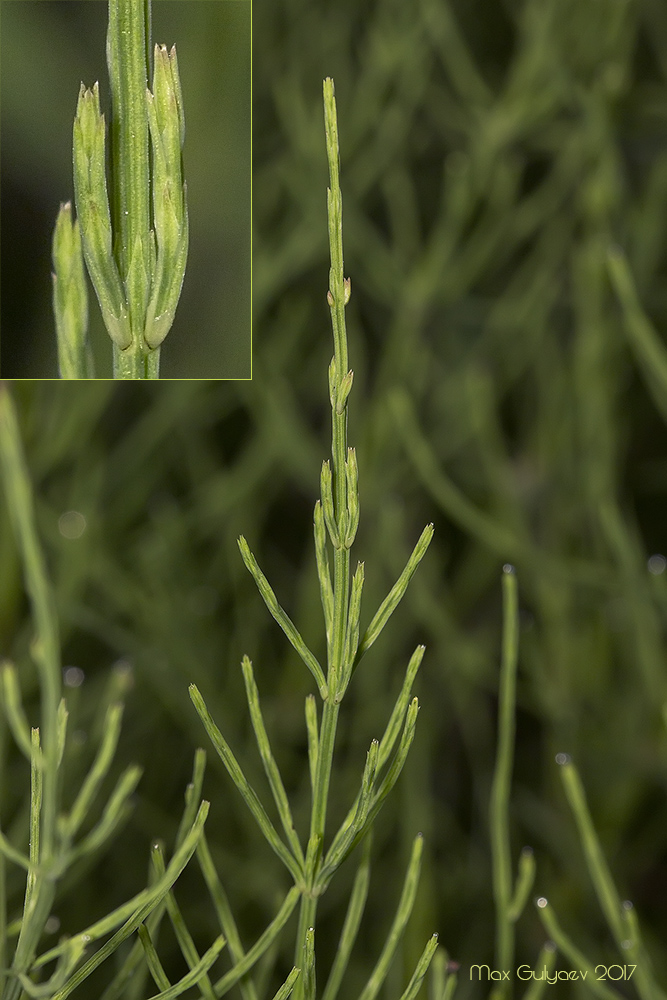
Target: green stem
500, 792
46, 653
341, 581
134, 363
128, 49
127, 57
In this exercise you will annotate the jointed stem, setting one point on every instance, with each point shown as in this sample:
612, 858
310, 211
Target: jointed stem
137, 264
127, 57
341, 563
128, 45
135, 363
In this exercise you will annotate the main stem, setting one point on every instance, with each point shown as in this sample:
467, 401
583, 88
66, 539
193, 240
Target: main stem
45, 651
341, 581
128, 58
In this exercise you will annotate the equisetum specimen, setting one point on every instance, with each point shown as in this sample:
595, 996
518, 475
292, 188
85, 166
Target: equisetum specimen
136, 259
55, 842
336, 519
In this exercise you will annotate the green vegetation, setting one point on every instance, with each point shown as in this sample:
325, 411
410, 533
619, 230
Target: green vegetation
504, 190
137, 271
47, 51
51, 829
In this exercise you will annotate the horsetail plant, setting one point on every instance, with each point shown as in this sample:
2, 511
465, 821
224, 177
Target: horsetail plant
312, 866
136, 259
54, 838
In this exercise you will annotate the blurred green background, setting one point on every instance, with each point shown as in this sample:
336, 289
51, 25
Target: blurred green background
47, 50
491, 153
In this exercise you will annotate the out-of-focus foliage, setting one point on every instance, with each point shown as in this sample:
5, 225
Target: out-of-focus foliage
47, 49
491, 154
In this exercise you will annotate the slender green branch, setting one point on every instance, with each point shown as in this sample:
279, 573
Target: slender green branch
403, 912
355, 910
261, 945
268, 760
337, 297
576, 957
241, 782
500, 792
619, 915
45, 650
150, 899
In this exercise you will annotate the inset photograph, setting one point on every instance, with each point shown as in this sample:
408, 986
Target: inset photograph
126, 189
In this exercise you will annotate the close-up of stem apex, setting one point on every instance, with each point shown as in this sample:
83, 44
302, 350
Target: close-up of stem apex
136, 259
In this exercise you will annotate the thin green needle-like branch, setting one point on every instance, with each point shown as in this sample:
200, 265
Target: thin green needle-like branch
40, 888
224, 913
546, 963
576, 957
421, 969
286, 989
16, 717
281, 617
597, 865
268, 760
183, 936
395, 595
241, 782
619, 915
46, 644
91, 785
225, 983
355, 910
406, 902
152, 898
502, 778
